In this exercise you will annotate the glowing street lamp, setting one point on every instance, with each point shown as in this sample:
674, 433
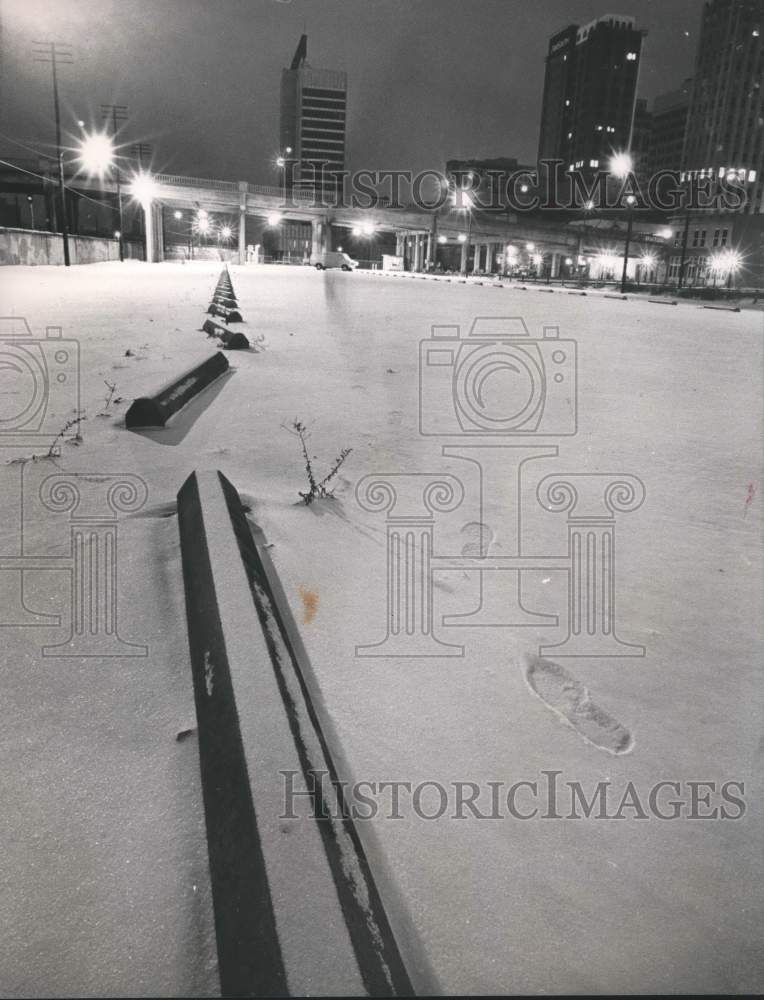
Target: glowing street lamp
274, 218
96, 153
621, 166
725, 263
143, 188
225, 232
177, 215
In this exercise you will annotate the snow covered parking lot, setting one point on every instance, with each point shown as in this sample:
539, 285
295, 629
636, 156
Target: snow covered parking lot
104, 869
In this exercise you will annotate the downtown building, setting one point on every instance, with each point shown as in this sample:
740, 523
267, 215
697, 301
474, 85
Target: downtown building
723, 138
590, 87
313, 123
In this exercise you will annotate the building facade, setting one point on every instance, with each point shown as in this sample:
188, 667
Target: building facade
668, 127
313, 123
725, 122
590, 89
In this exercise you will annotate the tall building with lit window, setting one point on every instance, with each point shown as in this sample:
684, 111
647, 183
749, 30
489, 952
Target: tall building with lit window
313, 118
725, 121
590, 87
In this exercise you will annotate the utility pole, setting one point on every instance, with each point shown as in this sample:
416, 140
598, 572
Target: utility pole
57, 54
683, 258
140, 150
117, 113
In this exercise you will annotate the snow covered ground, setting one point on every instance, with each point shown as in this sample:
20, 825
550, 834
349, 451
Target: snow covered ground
104, 868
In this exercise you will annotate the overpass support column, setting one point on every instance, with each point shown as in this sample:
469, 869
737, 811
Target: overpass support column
465, 257
554, 265
417, 252
319, 234
400, 245
242, 221
476, 259
152, 212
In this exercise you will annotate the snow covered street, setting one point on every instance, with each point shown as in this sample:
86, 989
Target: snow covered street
104, 869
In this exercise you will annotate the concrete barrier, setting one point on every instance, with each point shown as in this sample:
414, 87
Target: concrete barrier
731, 309
663, 302
156, 410
229, 315
232, 340
297, 910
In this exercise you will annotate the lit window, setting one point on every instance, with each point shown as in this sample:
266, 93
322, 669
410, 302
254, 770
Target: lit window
570, 135
599, 128
755, 32
567, 102
631, 56
751, 176
594, 163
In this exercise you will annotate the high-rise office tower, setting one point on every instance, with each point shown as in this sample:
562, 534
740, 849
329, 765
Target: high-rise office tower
313, 115
589, 92
725, 121
668, 128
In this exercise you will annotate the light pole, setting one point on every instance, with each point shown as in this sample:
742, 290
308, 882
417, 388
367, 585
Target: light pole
282, 161
272, 221
30, 201
462, 200
621, 166
55, 53
117, 112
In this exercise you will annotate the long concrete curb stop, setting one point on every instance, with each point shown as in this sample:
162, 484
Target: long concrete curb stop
297, 910
232, 340
155, 411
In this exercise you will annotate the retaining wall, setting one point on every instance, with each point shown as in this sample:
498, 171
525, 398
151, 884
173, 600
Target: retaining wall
35, 246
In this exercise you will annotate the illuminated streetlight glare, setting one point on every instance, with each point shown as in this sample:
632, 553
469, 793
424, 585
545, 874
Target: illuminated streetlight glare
178, 214
441, 239
621, 165
96, 153
530, 247
462, 238
225, 232
143, 188
274, 218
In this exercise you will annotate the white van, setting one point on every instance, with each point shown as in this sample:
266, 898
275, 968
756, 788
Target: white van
334, 258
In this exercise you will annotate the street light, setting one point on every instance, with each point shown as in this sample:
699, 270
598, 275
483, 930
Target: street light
726, 262
274, 218
463, 200
96, 153
621, 166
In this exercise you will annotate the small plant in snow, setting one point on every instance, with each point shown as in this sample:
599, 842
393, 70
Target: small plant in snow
317, 488
55, 448
109, 398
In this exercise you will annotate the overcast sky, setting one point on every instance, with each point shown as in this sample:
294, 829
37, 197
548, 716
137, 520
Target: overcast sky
428, 79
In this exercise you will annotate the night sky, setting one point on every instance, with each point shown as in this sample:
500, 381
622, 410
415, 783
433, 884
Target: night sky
428, 79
